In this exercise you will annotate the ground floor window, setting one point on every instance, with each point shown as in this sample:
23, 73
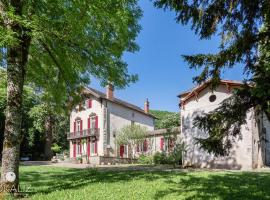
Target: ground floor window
79, 148
92, 148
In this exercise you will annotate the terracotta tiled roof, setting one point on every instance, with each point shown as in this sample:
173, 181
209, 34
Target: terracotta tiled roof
164, 131
189, 93
102, 95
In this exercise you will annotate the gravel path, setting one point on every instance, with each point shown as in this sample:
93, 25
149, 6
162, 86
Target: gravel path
126, 167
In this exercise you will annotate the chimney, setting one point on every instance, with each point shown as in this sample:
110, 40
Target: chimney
146, 106
109, 92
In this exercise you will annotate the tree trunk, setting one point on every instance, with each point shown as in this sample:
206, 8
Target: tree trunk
16, 60
48, 137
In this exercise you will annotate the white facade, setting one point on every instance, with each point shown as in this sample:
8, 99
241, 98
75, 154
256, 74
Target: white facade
96, 140
245, 151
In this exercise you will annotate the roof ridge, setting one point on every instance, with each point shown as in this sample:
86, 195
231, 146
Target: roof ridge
119, 101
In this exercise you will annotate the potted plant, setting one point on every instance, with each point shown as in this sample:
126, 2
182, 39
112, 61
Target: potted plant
79, 159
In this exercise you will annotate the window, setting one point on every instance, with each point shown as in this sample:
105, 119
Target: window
89, 103
78, 148
212, 98
78, 128
161, 144
92, 148
93, 122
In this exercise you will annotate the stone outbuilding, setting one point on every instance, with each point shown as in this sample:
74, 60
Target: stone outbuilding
252, 151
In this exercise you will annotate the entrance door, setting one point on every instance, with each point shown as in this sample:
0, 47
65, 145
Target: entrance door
122, 151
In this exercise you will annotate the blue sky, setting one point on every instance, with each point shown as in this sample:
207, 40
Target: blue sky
162, 72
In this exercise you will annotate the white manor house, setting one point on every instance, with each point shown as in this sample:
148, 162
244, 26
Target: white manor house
94, 125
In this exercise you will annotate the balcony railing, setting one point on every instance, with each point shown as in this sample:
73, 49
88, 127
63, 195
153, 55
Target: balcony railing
93, 132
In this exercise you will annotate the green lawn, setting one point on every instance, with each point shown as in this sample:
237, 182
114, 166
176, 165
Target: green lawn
62, 183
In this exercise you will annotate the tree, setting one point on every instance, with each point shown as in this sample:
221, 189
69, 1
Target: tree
243, 26
35, 111
75, 38
166, 119
131, 135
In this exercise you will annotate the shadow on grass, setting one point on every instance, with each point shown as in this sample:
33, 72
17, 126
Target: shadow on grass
49, 181
240, 185
190, 185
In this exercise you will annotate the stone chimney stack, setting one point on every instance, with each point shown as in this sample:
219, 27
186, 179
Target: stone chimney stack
109, 91
146, 106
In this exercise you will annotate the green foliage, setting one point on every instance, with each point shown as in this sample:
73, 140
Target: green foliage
60, 124
56, 148
237, 22
69, 40
145, 160
173, 157
34, 112
165, 119
244, 29
159, 158
131, 135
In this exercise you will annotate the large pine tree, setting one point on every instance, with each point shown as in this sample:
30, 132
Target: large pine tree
244, 30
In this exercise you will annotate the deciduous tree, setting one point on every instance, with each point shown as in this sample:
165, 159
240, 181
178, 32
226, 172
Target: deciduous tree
131, 135
76, 38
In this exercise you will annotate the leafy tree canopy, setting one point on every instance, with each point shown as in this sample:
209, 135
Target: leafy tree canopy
165, 119
131, 134
75, 39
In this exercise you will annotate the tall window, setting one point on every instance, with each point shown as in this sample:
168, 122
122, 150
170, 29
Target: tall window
92, 148
78, 125
78, 148
93, 122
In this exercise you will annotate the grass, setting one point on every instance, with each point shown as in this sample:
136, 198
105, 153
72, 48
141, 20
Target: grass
67, 184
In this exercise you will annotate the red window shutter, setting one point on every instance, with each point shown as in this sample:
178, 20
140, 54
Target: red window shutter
122, 150
88, 123
74, 127
145, 145
88, 148
96, 122
96, 147
161, 143
89, 103
74, 150
81, 126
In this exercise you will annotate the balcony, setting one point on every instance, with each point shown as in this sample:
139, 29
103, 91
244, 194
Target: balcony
93, 132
